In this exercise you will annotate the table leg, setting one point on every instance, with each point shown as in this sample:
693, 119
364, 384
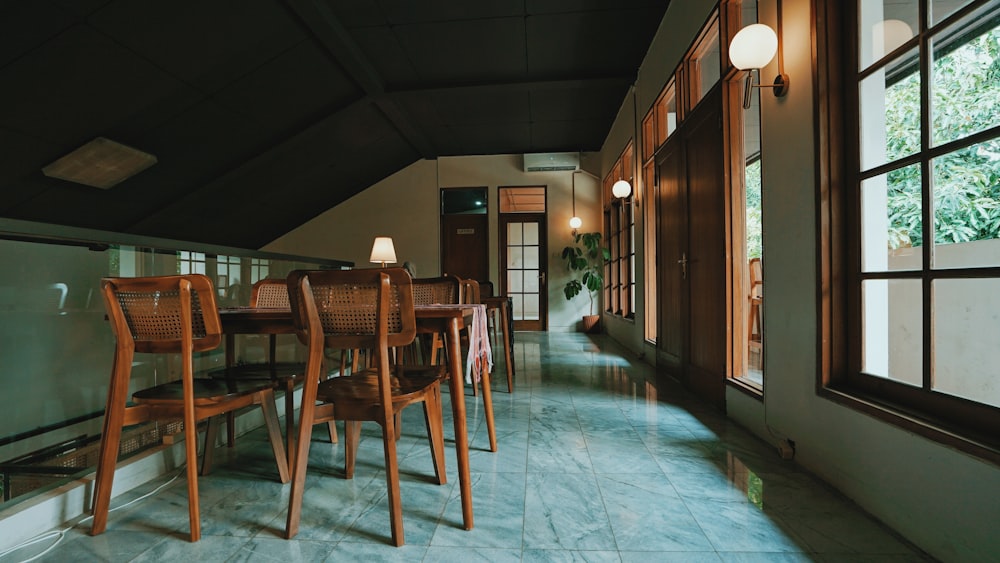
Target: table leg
230, 416
508, 361
456, 382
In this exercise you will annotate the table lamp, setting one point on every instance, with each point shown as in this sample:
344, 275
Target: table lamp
383, 252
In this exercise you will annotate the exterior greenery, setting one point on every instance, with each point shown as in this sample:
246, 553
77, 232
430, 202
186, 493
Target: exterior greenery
753, 207
965, 95
586, 259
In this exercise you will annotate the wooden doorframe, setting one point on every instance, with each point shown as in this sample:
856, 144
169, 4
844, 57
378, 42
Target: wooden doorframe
543, 309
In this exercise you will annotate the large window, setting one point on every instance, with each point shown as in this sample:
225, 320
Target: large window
922, 229
619, 218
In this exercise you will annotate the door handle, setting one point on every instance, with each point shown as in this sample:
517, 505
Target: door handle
684, 265
541, 278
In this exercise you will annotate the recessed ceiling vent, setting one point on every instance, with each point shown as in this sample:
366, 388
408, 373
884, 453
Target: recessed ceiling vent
101, 163
551, 161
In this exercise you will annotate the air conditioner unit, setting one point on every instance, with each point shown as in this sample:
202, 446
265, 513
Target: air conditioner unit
551, 161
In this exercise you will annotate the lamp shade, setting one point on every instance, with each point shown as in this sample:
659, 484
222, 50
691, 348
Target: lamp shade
753, 47
383, 251
621, 189
575, 222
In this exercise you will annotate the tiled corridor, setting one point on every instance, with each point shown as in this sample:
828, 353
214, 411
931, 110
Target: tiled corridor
595, 463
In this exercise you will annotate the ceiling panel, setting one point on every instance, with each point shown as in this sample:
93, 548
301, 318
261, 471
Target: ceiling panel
290, 108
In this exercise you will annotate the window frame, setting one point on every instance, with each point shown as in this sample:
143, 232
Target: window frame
968, 426
619, 230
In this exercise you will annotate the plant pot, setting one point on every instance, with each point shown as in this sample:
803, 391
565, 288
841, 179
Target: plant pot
591, 324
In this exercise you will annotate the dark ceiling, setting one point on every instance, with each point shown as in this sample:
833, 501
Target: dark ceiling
263, 114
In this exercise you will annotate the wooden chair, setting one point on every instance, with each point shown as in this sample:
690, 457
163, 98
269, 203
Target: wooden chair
270, 293
358, 309
755, 327
446, 289
471, 296
170, 315
486, 290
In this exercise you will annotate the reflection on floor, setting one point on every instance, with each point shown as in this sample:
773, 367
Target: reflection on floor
595, 463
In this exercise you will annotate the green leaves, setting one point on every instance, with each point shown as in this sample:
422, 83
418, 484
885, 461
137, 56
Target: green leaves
588, 258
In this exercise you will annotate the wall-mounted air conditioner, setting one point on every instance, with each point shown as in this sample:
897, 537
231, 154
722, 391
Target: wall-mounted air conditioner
551, 161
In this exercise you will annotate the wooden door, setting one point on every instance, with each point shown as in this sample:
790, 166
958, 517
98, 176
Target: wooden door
672, 333
523, 268
694, 341
465, 246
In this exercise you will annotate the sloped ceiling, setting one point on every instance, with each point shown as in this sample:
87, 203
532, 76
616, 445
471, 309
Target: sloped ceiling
263, 114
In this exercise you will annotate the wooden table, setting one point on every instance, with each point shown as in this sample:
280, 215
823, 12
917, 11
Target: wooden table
450, 320
502, 304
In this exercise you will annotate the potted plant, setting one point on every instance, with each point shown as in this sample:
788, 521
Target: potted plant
586, 258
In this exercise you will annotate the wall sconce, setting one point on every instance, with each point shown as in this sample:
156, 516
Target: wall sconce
383, 251
621, 189
752, 49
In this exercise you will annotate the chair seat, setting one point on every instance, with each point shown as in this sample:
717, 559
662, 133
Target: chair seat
206, 391
277, 372
363, 388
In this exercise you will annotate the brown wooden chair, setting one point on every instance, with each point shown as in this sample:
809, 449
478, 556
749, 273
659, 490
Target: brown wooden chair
271, 293
360, 309
170, 315
755, 327
442, 290
471, 296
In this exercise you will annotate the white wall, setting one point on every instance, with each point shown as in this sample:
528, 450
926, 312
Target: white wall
405, 206
942, 500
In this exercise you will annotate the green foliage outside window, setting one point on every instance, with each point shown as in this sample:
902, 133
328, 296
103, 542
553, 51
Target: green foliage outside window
966, 182
753, 229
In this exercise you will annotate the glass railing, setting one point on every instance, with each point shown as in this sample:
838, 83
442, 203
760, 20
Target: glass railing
57, 348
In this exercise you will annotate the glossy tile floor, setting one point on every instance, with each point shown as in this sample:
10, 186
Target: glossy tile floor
595, 463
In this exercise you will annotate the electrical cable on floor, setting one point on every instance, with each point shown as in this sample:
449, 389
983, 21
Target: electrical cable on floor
60, 534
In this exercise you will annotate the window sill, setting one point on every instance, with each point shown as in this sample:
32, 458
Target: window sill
746, 387
955, 438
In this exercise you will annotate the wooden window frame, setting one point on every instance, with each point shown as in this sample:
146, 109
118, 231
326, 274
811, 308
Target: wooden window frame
970, 427
619, 229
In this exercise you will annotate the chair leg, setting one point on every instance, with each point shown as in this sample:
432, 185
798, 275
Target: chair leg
488, 405
270, 411
300, 454
211, 433
191, 458
230, 429
106, 463
289, 417
392, 482
114, 419
435, 432
352, 435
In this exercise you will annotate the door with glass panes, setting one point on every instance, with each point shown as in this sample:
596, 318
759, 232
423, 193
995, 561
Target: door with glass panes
523, 268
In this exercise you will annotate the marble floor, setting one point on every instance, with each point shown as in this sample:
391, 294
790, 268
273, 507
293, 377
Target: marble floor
595, 463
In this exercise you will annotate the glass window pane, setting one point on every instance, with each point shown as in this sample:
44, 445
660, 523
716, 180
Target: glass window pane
966, 339
890, 112
517, 306
530, 312
706, 63
965, 83
514, 234
530, 281
891, 224
941, 9
530, 233
883, 26
515, 258
893, 331
531, 257
967, 207
514, 281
